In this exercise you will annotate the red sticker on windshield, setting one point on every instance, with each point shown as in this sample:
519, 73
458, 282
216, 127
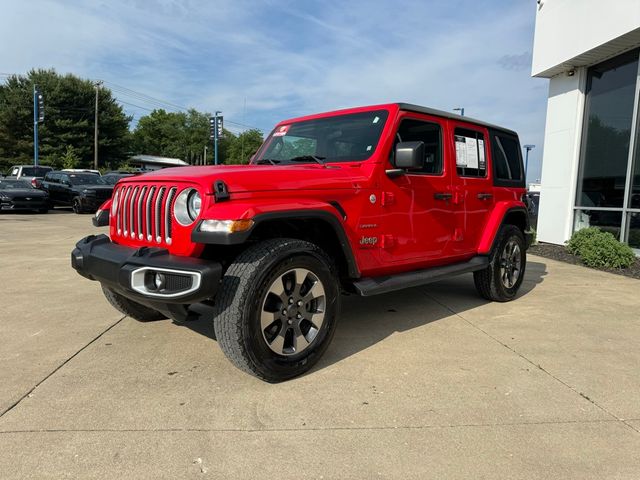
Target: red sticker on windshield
281, 131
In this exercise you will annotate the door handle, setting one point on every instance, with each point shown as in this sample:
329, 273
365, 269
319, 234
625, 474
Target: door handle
442, 195
485, 196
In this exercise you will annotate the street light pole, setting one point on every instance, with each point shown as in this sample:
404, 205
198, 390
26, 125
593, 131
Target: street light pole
215, 138
528, 148
204, 160
95, 129
459, 109
35, 127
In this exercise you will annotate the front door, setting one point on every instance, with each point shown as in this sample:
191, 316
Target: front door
417, 207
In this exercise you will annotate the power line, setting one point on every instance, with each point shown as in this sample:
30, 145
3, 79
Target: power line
143, 97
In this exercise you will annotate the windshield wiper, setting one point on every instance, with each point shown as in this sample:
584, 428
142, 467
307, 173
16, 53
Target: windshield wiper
306, 158
267, 160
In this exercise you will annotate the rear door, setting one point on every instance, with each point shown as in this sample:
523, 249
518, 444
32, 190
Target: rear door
417, 206
473, 188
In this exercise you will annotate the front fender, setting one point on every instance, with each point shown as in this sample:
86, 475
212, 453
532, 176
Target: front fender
265, 211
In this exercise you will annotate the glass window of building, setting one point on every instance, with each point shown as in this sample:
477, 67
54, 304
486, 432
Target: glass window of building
608, 190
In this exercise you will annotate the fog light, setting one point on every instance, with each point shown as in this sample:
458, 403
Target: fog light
159, 280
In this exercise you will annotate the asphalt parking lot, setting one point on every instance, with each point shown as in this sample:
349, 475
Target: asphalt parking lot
431, 382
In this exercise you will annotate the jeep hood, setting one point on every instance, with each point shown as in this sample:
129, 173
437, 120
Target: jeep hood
261, 178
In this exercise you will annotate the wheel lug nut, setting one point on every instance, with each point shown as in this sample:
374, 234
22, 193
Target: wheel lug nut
290, 301
289, 322
298, 316
299, 303
284, 312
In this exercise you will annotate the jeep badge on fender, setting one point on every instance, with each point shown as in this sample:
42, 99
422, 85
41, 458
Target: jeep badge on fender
274, 252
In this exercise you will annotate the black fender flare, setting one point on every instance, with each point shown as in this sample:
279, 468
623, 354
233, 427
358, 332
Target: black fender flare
237, 238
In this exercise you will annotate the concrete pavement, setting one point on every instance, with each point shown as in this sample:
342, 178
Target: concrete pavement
430, 382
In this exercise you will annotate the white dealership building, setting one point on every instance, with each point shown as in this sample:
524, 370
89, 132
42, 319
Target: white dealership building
590, 50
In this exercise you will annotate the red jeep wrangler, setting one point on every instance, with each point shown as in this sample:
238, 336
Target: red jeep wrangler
366, 200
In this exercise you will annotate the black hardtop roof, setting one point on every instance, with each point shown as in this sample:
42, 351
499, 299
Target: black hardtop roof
441, 113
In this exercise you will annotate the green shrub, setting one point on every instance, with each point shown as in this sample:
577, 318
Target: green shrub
600, 249
581, 238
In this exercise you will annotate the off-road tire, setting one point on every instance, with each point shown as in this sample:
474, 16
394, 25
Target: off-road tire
131, 308
488, 281
239, 304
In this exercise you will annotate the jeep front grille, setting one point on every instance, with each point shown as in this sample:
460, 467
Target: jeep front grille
144, 212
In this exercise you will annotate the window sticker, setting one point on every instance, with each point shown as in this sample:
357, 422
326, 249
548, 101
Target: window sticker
461, 151
467, 152
481, 160
368, 148
281, 131
376, 119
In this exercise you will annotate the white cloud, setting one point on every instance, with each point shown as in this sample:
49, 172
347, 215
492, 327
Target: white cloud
291, 58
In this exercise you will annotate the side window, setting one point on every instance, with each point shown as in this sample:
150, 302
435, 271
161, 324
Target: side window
471, 159
49, 177
430, 134
507, 161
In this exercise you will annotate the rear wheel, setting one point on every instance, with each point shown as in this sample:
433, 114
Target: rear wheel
277, 308
131, 308
501, 280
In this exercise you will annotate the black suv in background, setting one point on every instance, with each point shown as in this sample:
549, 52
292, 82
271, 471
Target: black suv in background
85, 192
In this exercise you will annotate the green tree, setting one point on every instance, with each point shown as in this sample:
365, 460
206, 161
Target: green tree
242, 147
185, 135
69, 121
70, 159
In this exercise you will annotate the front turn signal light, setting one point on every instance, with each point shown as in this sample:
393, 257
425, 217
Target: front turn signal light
226, 226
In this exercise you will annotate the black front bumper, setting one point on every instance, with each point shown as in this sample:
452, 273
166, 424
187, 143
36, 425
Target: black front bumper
129, 270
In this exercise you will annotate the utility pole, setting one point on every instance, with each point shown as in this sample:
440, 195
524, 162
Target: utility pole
528, 148
95, 128
459, 109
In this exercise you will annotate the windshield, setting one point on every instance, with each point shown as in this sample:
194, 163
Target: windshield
351, 137
14, 184
86, 179
35, 171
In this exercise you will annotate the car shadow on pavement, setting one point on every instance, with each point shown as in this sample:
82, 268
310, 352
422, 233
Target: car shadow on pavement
366, 321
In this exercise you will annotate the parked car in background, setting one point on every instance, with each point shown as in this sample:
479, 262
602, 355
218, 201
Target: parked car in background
31, 173
112, 177
84, 192
80, 170
20, 195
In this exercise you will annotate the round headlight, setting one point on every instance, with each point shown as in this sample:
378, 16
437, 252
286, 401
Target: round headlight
194, 204
187, 206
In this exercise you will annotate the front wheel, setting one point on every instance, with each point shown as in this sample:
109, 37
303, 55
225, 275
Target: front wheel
277, 308
76, 205
501, 280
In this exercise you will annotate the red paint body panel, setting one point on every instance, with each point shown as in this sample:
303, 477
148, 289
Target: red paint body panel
392, 224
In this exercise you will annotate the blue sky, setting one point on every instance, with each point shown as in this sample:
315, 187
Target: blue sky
289, 58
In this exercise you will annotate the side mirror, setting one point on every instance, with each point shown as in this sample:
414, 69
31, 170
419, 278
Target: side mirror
409, 155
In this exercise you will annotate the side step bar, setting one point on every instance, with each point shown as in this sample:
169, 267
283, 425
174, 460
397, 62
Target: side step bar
376, 285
